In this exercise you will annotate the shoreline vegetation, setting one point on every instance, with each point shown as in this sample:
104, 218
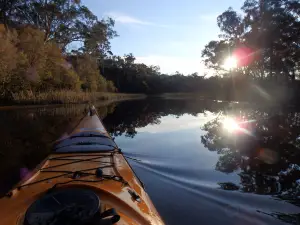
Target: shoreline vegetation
39, 63
72, 97
67, 97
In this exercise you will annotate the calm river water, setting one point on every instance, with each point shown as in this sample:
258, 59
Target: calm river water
202, 162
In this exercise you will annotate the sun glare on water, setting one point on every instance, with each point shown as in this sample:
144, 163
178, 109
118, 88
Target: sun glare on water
230, 63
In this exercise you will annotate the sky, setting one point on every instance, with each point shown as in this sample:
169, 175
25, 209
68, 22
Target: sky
168, 33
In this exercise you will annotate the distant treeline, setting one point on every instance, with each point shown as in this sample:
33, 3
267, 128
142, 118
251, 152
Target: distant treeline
132, 77
36, 55
264, 41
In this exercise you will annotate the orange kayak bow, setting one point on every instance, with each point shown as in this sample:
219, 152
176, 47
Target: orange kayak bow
85, 181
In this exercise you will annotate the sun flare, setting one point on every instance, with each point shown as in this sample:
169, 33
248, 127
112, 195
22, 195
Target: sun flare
230, 63
230, 125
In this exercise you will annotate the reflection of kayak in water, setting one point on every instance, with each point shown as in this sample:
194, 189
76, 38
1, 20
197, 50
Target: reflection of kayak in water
85, 181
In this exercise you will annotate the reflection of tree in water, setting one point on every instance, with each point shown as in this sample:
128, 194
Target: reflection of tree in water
266, 162
137, 114
288, 218
27, 136
267, 159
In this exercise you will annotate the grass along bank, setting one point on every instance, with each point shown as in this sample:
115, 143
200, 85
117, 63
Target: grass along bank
68, 97
180, 95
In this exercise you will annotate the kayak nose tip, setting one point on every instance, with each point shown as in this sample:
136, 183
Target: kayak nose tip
99, 172
92, 110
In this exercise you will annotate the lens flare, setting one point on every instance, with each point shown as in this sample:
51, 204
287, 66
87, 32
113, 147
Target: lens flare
230, 63
230, 125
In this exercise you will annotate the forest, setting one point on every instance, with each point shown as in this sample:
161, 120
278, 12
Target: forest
36, 58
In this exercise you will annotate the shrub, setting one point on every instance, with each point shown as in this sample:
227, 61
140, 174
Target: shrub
110, 86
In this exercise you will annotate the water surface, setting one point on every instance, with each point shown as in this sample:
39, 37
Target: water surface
195, 169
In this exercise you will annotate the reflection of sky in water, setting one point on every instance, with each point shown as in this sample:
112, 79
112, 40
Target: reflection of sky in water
172, 123
175, 162
175, 142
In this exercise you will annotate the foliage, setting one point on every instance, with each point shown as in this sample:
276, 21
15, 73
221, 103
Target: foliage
57, 97
29, 66
11, 64
87, 69
67, 97
36, 34
267, 32
96, 40
264, 39
61, 21
110, 87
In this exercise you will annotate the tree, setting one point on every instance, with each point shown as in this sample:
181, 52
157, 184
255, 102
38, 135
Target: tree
30, 65
96, 39
62, 21
270, 29
87, 68
34, 36
129, 60
8, 61
230, 23
57, 74
110, 86
7, 10
214, 54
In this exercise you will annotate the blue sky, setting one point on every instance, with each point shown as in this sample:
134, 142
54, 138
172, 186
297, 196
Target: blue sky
167, 33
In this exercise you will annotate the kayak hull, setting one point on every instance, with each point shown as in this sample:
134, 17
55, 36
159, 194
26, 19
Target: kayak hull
87, 158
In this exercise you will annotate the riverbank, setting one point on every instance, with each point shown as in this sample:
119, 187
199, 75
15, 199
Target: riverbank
66, 97
180, 95
269, 100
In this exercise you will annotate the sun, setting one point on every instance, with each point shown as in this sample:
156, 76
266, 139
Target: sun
230, 63
230, 125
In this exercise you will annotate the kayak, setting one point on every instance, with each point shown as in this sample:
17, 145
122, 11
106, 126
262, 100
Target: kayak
86, 180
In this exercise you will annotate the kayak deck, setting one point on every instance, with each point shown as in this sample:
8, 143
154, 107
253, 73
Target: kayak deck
87, 158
